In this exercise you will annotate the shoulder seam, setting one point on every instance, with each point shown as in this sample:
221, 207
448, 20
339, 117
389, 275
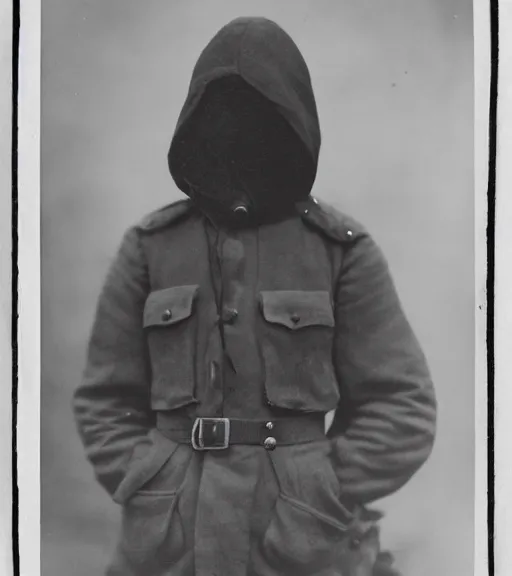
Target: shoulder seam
165, 216
336, 225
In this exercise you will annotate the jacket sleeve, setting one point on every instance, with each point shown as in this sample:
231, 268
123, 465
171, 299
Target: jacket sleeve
384, 428
112, 403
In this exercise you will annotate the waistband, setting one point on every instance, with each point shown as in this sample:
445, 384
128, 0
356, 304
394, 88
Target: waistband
220, 433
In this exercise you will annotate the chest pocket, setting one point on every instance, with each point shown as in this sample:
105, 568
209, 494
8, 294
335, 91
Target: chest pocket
171, 328
297, 340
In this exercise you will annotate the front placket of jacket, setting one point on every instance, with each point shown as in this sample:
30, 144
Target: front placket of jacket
226, 257
228, 477
211, 400
232, 259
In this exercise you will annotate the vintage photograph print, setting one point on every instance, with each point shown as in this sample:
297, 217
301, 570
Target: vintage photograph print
257, 288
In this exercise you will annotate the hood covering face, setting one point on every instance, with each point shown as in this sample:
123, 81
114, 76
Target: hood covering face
248, 134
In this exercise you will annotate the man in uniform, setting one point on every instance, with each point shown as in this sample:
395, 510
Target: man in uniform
230, 324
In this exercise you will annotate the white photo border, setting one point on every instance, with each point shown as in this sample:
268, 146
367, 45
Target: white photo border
29, 288
482, 77
503, 301
6, 351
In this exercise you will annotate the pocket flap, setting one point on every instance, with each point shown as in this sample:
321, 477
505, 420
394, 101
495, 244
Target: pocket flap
297, 308
169, 306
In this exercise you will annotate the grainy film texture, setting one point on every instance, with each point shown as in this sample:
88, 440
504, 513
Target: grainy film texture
394, 88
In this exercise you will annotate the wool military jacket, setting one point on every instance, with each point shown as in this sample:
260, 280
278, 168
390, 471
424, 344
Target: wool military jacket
312, 324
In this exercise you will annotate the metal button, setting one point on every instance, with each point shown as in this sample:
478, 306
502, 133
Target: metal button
354, 543
269, 443
306, 211
295, 318
230, 315
269, 425
167, 315
349, 233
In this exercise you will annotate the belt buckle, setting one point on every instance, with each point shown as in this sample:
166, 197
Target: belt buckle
210, 434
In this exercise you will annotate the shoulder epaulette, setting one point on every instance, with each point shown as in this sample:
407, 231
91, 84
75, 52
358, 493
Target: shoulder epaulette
165, 216
334, 224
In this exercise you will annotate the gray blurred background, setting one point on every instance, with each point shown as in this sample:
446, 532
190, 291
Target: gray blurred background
394, 87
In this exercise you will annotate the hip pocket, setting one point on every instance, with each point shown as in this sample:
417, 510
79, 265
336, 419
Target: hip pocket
152, 531
307, 533
301, 540
296, 344
152, 527
171, 328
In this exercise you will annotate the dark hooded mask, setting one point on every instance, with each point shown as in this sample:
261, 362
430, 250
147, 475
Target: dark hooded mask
247, 141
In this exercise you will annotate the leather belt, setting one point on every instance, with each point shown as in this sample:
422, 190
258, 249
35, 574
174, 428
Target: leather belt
220, 433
